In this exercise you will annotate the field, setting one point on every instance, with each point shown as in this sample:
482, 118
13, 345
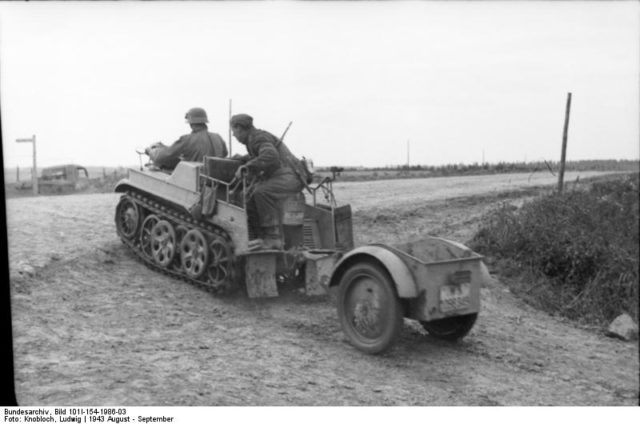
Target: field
92, 326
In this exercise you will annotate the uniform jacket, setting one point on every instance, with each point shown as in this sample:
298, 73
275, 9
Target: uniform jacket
268, 155
191, 147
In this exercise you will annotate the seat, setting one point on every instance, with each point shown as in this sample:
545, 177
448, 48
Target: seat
220, 168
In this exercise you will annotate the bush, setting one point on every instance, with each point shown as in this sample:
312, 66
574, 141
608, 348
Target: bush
576, 253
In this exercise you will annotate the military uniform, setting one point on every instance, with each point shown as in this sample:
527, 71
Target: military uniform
191, 147
270, 161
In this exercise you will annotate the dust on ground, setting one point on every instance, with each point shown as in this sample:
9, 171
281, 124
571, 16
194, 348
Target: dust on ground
92, 326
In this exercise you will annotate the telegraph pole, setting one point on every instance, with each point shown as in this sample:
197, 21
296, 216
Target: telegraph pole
564, 144
34, 171
230, 135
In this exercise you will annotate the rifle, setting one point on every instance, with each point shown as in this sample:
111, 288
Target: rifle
299, 167
285, 131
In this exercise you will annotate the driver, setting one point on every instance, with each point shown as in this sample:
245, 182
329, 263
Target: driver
190, 147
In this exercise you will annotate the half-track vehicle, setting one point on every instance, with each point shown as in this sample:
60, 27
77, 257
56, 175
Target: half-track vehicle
192, 224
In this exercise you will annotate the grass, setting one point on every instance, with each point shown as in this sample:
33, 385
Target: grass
574, 254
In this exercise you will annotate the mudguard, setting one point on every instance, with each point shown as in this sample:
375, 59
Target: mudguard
123, 185
397, 269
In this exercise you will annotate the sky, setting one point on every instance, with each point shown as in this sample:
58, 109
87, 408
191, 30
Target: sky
363, 83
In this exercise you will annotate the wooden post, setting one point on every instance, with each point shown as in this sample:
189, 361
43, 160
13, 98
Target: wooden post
564, 144
17, 174
35, 168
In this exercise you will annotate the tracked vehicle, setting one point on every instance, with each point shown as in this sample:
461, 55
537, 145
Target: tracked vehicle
192, 224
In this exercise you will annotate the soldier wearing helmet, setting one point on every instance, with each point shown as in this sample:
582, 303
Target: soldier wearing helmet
190, 147
271, 162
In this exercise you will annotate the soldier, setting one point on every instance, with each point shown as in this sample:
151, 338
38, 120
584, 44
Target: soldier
271, 163
190, 147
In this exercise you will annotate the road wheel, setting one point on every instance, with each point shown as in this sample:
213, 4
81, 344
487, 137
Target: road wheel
452, 328
219, 270
163, 243
181, 231
194, 253
127, 218
368, 307
145, 234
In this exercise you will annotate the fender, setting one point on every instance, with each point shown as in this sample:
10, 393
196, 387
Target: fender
123, 185
399, 271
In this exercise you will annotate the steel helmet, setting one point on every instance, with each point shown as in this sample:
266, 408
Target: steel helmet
196, 115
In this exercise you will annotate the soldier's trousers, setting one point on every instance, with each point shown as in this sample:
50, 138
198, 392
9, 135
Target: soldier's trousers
264, 203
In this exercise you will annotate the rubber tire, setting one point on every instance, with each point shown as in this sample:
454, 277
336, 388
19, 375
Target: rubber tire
394, 321
452, 328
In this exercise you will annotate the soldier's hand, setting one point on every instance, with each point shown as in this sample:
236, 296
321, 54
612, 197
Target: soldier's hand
154, 146
242, 169
241, 158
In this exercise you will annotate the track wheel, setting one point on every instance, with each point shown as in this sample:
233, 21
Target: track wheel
368, 307
181, 231
163, 243
452, 328
145, 234
220, 262
194, 253
127, 217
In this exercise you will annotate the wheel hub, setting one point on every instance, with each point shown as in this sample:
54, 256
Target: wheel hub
365, 308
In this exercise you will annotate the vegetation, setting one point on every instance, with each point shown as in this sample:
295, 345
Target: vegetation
574, 254
425, 171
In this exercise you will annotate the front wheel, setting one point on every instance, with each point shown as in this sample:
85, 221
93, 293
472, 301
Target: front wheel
452, 328
368, 307
127, 217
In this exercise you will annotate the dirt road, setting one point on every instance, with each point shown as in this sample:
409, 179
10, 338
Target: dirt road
94, 327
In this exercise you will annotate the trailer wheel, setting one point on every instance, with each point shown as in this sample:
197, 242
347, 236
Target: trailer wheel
368, 307
452, 328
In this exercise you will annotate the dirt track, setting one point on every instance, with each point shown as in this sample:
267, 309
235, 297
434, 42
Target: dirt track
94, 327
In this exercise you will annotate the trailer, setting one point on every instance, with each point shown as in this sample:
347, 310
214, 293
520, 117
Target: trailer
433, 281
